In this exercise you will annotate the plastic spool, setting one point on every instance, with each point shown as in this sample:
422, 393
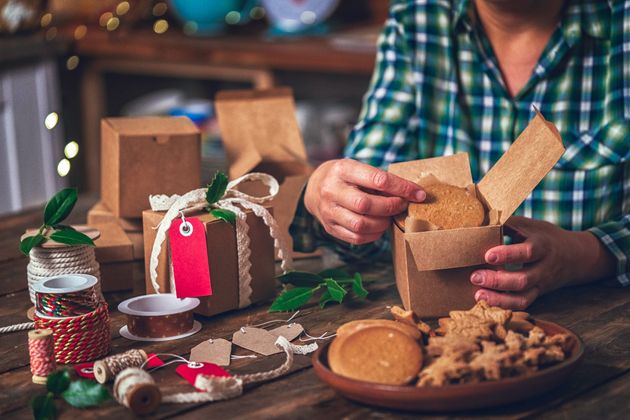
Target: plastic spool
135, 389
76, 292
106, 370
161, 317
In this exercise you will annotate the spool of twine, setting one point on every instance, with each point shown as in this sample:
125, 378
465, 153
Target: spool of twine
135, 389
42, 354
81, 338
106, 370
50, 262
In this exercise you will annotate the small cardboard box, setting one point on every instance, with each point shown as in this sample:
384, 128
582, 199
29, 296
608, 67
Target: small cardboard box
260, 134
144, 156
114, 253
99, 214
433, 267
222, 256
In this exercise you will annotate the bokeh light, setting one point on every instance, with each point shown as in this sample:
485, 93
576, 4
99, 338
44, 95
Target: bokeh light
122, 8
257, 13
71, 150
51, 120
63, 167
159, 9
190, 27
233, 17
80, 31
112, 24
72, 62
105, 17
308, 17
51, 34
160, 26
45, 19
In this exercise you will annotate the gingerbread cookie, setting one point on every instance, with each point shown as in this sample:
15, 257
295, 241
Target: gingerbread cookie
376, 353
352, 326
449, 207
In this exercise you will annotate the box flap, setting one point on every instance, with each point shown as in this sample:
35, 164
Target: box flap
441, 249
259, 126
152, 126
522, 167
454, 169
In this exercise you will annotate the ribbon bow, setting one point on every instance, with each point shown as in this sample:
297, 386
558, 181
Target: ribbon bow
231, 200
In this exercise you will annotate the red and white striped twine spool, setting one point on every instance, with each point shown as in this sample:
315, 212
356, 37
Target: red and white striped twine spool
42, 354
80, 338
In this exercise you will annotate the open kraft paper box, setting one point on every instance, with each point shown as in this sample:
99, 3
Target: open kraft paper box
222, 258
433, 267
260, 134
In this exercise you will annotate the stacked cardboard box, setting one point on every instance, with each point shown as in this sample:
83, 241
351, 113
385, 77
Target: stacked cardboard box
139, 157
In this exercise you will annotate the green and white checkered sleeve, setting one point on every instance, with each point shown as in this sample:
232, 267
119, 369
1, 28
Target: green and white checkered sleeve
384, 133
386, 127
616, 237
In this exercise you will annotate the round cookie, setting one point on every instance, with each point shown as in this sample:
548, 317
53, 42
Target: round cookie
376, 354
352, 326
449, 207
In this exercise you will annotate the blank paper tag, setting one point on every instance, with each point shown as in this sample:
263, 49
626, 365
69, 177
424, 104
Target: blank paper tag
217, 351
290, 331
257, 340
189, 256
189, 371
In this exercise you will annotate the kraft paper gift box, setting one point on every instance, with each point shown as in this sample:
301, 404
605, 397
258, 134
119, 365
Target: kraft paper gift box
260, 133
144, 156
222, 258
433, 267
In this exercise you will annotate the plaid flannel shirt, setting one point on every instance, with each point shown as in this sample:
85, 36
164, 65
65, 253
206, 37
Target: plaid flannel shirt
437, 90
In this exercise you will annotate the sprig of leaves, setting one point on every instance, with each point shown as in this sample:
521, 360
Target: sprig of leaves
216, 191
57, 210
334, 285
80, 393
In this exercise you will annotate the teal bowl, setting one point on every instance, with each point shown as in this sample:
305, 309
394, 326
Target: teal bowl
204, 17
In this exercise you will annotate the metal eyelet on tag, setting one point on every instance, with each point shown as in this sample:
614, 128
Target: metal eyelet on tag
186, 229
195, 365
87, 370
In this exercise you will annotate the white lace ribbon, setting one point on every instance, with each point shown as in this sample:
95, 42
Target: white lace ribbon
231, 200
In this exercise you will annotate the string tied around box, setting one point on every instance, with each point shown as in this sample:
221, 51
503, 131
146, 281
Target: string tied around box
233, 200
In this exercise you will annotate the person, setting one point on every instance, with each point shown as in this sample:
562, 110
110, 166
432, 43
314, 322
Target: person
463, 76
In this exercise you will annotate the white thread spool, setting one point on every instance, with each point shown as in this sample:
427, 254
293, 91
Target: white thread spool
135, 389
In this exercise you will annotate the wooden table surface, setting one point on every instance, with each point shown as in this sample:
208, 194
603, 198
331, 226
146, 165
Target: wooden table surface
599, 389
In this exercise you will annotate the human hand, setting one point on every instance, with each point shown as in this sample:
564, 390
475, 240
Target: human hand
354, 201
552, 258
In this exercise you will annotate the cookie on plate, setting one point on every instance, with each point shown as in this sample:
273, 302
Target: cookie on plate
352, 326
379, 354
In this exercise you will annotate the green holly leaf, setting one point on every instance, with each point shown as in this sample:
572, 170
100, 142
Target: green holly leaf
85, 393
335, 273
43, 407
58, 382
31, 242
337, 292
292, 299
325, 298
60, 206
357, 286
301, 279
71, 237
216, 189
226, 215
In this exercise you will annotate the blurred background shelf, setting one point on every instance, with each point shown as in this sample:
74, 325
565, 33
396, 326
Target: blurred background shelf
119, 58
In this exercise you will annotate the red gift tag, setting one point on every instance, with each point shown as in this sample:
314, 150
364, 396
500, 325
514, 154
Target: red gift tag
153, 361
189, 256
85, 370
189, 371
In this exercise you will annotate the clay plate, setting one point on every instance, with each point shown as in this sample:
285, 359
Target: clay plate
455, 397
